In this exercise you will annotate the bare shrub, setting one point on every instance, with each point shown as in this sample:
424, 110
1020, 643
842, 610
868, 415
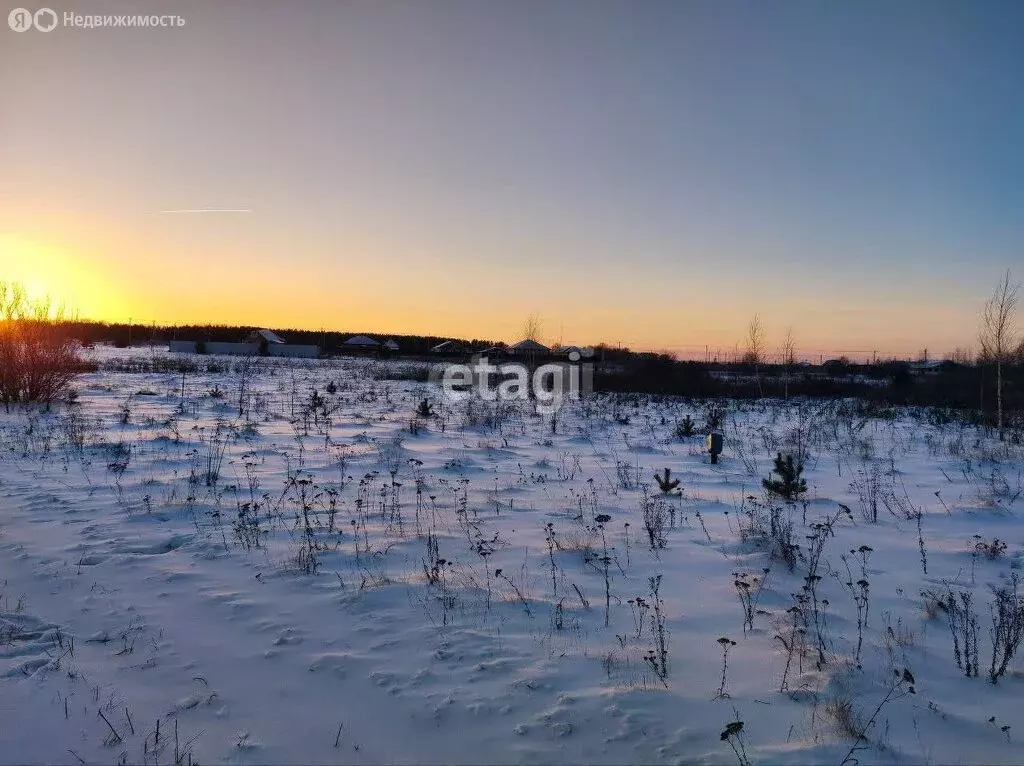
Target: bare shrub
656, 513
963, 625
1007, 631
840, 709
868, 484
38, 359
990, 550
856, 725
932, 604
657, 655
770, 525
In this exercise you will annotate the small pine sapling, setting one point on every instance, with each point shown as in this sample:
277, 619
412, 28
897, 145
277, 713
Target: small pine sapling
666, 483
685, 428
790, 484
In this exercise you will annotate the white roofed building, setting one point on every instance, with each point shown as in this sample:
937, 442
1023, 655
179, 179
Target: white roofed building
361, 341
529, 347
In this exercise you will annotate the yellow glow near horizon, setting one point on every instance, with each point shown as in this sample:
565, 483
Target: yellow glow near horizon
120, 275
49, 273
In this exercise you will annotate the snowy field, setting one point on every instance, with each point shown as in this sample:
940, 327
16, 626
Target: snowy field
334, 578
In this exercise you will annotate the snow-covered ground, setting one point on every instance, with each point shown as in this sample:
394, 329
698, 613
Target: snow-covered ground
340, 580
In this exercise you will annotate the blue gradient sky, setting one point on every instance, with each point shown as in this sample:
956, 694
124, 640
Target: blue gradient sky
650, 173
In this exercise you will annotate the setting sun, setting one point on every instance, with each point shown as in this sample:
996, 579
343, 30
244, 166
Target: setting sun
50, 273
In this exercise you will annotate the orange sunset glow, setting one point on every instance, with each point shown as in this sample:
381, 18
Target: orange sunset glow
621, 205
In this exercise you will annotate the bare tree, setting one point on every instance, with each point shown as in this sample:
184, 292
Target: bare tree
961, 355
997, 334
38, 359
787, 348
787, 357
533, 326
755, 341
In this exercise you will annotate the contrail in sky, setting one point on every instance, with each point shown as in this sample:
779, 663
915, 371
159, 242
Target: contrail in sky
209, 210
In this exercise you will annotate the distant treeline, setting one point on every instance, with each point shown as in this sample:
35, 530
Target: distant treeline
947, 385
124, 335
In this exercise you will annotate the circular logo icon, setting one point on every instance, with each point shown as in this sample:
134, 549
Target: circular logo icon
45, 19
20, 19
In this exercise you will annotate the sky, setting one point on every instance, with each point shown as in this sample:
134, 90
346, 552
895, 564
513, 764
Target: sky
644, 173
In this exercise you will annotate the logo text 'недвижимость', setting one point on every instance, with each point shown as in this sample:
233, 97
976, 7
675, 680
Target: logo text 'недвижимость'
47, 19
